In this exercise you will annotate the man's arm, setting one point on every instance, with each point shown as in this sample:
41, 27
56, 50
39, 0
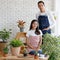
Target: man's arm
51, 20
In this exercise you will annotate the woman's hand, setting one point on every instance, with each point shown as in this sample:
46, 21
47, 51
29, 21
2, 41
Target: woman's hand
37, 48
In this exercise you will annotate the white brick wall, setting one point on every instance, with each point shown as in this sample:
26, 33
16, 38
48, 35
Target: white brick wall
13, 10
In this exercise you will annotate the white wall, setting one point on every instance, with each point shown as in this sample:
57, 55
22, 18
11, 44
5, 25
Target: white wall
57, 9
13, 10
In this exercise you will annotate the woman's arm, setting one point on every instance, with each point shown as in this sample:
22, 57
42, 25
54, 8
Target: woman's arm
40, 42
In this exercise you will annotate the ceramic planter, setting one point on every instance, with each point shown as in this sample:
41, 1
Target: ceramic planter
5, 55
21, 29
15, 51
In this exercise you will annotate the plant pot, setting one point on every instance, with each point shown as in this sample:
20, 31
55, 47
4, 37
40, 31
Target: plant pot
2, 45
22, 49
15, 51
1, 54
5, 55
36, 57
21, 29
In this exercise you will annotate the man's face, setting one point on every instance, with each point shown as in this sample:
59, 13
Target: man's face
41, 6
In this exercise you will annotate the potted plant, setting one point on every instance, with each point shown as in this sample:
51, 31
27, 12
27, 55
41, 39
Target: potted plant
36, 55
25, 52
4, 35
51, 46
21, 25
15, 46
5, 51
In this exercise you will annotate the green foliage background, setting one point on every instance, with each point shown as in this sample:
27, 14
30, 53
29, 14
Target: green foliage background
51, 46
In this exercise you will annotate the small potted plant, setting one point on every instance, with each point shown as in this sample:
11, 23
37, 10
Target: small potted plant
21, 25
4, 36
15, 47
5, 51
25, 52
36, 55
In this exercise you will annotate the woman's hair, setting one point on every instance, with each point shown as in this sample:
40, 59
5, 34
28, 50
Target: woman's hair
37, 29
41, 2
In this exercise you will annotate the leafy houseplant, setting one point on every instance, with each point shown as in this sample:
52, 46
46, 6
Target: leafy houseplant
15, 46
51, 46
5, 51
4, 35
36, 55
16, 43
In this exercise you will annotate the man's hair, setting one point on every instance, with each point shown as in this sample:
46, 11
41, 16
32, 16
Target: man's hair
41, 2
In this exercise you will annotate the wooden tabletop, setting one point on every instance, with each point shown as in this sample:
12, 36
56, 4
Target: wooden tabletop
17, 58
21, 57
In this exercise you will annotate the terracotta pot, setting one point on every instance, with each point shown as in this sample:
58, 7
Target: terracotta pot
22, 49
5, 55
1, 54
15, 51
36, 57
2, 45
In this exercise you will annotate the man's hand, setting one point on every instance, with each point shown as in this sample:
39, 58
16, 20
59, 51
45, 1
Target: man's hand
46, 28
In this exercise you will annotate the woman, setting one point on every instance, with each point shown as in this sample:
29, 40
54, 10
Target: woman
45, 19
34, 38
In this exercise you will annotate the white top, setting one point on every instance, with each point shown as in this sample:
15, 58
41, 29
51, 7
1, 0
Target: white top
50, 17
32, 33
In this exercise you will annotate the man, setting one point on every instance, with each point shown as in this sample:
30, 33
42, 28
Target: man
45, 18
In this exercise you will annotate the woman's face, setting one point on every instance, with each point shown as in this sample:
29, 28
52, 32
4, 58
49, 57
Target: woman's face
34, 25
41, 7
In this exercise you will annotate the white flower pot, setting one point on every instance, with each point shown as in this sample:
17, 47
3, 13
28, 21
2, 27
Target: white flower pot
15, 51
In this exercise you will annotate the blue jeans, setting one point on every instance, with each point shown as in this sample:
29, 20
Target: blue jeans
33, 52
46, 31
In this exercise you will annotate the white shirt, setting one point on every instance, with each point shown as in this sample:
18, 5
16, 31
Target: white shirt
32, 33
50, 17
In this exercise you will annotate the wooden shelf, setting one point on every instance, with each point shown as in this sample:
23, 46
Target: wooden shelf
21, 35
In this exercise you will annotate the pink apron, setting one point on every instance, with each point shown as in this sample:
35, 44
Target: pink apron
34, 41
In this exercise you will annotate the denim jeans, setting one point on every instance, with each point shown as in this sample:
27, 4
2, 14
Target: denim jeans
46, 31
33, 52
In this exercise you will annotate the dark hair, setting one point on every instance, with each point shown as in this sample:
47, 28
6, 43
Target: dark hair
37, 29
41, 2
